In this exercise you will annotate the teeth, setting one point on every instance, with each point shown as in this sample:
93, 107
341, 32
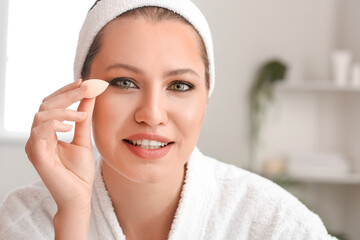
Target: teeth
148, 144
145, 143
153, 143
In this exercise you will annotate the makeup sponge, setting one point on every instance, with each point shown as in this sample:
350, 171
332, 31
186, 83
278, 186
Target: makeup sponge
95, 86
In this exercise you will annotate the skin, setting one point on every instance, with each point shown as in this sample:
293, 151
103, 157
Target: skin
163, 54
67, 169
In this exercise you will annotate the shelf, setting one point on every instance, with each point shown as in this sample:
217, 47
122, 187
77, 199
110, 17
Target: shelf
317, 85
329, 179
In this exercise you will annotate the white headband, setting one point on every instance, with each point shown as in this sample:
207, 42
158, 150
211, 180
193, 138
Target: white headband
106, 10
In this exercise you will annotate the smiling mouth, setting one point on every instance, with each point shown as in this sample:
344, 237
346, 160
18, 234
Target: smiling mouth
147, 144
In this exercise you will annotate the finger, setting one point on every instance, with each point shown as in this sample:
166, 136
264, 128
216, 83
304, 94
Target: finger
65, 99
43, 135
58, 114
64, 89
49, 128
82, 136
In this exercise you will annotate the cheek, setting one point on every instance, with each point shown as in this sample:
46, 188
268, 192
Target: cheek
189, 117
110, 114
188, 120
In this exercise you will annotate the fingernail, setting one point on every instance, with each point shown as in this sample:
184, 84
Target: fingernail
83, 114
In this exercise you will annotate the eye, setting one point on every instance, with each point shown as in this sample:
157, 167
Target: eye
125, 83
181, 86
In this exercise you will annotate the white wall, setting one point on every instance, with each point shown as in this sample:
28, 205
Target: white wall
348, 27
246, 33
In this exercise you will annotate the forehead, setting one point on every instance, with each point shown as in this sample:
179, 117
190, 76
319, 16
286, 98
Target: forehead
132, 38
146, 27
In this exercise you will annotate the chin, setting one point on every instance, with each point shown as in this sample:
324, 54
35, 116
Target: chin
143, 173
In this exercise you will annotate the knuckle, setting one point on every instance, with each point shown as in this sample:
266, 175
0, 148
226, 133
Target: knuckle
53, 123
29, 151
45, 99
32, 149
84, 89
29, 154
34, 133
37, 117
64, 111
43, 106
27, 148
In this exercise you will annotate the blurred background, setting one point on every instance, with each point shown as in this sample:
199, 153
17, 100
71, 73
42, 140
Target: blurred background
306, 137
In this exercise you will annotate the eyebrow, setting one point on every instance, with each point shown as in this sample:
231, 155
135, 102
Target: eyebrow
180, 72
124, 66
138, 71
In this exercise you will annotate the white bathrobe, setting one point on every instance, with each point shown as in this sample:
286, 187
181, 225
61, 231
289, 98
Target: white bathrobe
218, 201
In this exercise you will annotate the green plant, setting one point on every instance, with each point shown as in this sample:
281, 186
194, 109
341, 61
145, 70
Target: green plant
261, 96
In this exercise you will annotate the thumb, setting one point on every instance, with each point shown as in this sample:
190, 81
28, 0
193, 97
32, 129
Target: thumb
82, 136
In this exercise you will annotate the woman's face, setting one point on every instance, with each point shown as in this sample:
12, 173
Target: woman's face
157, 96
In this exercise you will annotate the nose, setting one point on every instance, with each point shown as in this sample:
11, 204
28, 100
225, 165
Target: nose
151, 109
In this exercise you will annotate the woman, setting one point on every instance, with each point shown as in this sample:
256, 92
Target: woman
150, 181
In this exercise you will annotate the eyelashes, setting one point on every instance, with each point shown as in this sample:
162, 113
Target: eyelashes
128, 83
181, 86
124, 83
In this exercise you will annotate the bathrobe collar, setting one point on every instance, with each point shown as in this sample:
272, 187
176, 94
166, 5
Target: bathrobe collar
190, 215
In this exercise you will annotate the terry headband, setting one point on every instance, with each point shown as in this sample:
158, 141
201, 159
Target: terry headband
106, 10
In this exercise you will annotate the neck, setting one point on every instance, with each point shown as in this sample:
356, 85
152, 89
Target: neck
148, 209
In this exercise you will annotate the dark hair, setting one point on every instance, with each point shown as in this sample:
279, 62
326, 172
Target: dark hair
155, 14
94, 4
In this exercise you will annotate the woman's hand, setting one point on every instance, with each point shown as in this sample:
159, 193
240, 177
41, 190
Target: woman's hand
67, 169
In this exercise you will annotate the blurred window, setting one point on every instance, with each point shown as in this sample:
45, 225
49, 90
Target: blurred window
41, 43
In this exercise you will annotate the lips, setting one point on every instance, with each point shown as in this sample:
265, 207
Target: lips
148, 146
